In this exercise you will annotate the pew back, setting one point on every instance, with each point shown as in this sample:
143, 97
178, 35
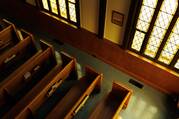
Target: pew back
25, 77
111, 105
78, 95
16, 56
8, 35
44, 89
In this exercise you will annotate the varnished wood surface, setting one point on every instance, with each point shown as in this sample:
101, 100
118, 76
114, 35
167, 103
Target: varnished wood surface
3, 25
38, 94
67, 106
28, 99
8, 36
15, 85
21, 53
111, 105
69, 100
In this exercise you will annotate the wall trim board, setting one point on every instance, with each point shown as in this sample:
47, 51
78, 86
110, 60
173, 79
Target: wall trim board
106, 51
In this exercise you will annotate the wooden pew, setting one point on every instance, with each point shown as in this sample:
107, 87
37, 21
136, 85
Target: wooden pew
27, 106
25, 77
8, 35
76, 96
16, 56
3, 24
111, 105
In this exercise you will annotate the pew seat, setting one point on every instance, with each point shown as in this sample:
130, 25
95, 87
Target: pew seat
76, 96
111, 105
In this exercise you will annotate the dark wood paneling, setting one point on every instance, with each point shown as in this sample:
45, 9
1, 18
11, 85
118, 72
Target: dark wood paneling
106, 51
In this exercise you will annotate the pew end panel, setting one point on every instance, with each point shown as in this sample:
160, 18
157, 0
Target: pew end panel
44, 45
14, 29
121, 95
66, 58
124, 91
90, 73
10, 37
25, 33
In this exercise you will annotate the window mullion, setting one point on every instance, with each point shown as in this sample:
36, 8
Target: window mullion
67, 9
151, 26
77, 6
176, 57
58, 8
134, 22
49, 5
174, 20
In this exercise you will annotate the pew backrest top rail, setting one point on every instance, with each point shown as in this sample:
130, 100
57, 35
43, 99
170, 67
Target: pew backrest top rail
15, 49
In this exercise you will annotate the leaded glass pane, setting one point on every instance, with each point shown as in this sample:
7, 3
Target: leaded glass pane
143, 23
161, 25
45, 4
72, 12
163, 20
154, 41
73, 1
176, 27
177, 64
151, 49
54, 6
138, 40
150, 3
146, 14
62, 5
143, 26
158, 32
145, 17
171, 47
169, 6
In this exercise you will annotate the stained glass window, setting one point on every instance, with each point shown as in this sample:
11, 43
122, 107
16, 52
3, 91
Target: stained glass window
45, 4
160, 30
143, 23
72, 12
162, 23
171, 46
137, 41
63, 11
54, 6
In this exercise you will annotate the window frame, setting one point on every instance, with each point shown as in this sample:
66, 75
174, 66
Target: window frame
130, 32
77, 10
